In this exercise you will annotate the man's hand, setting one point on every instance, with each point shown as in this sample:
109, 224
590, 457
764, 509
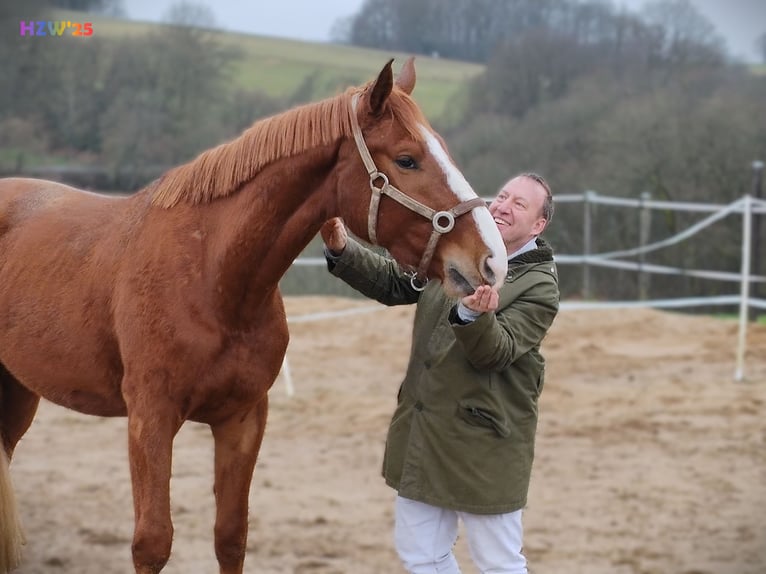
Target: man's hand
334, 235
484, 299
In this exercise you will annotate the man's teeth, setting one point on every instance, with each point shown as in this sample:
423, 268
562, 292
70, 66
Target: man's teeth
500, 221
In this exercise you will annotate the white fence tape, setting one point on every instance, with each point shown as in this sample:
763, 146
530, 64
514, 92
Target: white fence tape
660, 303
675, 303
673, 240
659, 269
759, 205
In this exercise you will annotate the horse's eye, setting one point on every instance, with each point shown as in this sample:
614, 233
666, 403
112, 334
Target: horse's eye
406, 162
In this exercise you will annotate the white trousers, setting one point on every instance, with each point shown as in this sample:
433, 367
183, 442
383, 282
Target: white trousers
424, 536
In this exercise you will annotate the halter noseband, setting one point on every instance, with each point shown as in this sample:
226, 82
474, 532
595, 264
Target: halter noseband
442, 221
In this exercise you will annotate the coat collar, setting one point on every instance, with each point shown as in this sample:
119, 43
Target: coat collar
541, 254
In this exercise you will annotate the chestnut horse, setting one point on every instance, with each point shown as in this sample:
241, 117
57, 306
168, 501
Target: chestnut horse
164, 306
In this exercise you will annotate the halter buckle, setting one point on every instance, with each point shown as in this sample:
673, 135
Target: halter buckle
443, 228
375, 176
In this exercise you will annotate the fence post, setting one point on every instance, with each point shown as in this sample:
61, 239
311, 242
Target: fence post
747, 209
586, 243
644, 228
285, 371
757, 240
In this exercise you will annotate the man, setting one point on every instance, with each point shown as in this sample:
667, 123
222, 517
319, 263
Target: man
461, 441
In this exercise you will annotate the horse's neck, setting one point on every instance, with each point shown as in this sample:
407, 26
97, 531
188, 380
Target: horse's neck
266, 226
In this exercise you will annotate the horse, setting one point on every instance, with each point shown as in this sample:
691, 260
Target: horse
164, 306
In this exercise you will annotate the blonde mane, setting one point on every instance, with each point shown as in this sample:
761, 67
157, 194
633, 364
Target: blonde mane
220, 171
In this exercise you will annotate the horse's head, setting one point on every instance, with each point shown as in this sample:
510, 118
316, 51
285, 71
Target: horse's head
401, 190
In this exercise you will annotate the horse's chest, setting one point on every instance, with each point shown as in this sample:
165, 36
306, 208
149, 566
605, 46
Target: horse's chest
250, 364
241, 377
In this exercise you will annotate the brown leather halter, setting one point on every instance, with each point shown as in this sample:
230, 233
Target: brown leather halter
442, 221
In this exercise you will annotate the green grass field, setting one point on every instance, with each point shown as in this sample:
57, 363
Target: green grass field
278, 66
760, 320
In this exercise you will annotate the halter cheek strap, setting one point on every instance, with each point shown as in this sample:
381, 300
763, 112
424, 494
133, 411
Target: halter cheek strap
442, 221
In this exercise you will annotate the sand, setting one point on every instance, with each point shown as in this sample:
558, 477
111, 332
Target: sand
650, 458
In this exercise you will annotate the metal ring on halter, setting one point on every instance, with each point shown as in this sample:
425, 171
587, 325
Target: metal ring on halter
418, 284
375, 177
443, 228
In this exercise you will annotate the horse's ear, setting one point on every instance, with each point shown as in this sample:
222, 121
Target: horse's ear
381, 89
406, 78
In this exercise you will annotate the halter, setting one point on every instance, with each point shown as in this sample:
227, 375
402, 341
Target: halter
442, 221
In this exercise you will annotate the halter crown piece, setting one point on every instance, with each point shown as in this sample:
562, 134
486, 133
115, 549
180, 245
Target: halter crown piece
442, 221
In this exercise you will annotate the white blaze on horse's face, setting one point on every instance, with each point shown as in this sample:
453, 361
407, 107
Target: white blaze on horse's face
498, 260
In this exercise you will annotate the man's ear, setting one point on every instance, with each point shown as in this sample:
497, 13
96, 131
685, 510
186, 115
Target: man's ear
381, 89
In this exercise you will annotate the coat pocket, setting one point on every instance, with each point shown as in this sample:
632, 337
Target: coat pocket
479, 416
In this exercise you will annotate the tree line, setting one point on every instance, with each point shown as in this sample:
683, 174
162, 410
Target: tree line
475, 29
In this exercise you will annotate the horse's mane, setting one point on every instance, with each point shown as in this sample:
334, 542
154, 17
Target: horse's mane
220, 171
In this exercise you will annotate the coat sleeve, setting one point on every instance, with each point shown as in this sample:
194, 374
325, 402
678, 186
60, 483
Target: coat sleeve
373, 275
494, 341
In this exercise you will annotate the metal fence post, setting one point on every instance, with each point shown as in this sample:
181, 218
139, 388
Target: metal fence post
747, 216
644, 229
757, 241
586, 243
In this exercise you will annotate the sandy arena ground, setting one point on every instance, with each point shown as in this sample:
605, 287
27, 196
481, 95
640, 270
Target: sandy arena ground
650, 459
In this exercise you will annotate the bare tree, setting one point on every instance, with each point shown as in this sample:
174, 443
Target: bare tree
191, 15
684, 35
176, 103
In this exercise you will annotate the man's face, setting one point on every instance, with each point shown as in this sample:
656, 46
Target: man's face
518, 211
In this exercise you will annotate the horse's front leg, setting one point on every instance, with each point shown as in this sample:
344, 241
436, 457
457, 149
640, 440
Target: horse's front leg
152, 425
237, 442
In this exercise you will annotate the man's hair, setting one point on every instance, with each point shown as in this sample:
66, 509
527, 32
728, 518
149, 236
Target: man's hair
548, 203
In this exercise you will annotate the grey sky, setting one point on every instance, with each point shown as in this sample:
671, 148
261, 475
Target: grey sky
300, 19
739, 22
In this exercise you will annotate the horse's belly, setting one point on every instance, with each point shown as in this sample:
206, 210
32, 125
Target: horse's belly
88, 402
82, 392
82, 378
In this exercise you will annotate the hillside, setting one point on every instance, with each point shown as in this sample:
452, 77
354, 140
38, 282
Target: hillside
278, 66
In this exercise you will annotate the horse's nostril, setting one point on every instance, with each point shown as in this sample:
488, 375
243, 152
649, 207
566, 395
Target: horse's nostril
488, 273
460, 281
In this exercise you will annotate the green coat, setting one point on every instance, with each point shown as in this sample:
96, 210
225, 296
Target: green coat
462, 436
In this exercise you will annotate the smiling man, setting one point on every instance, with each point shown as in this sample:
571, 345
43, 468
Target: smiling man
461, 441
522, 210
